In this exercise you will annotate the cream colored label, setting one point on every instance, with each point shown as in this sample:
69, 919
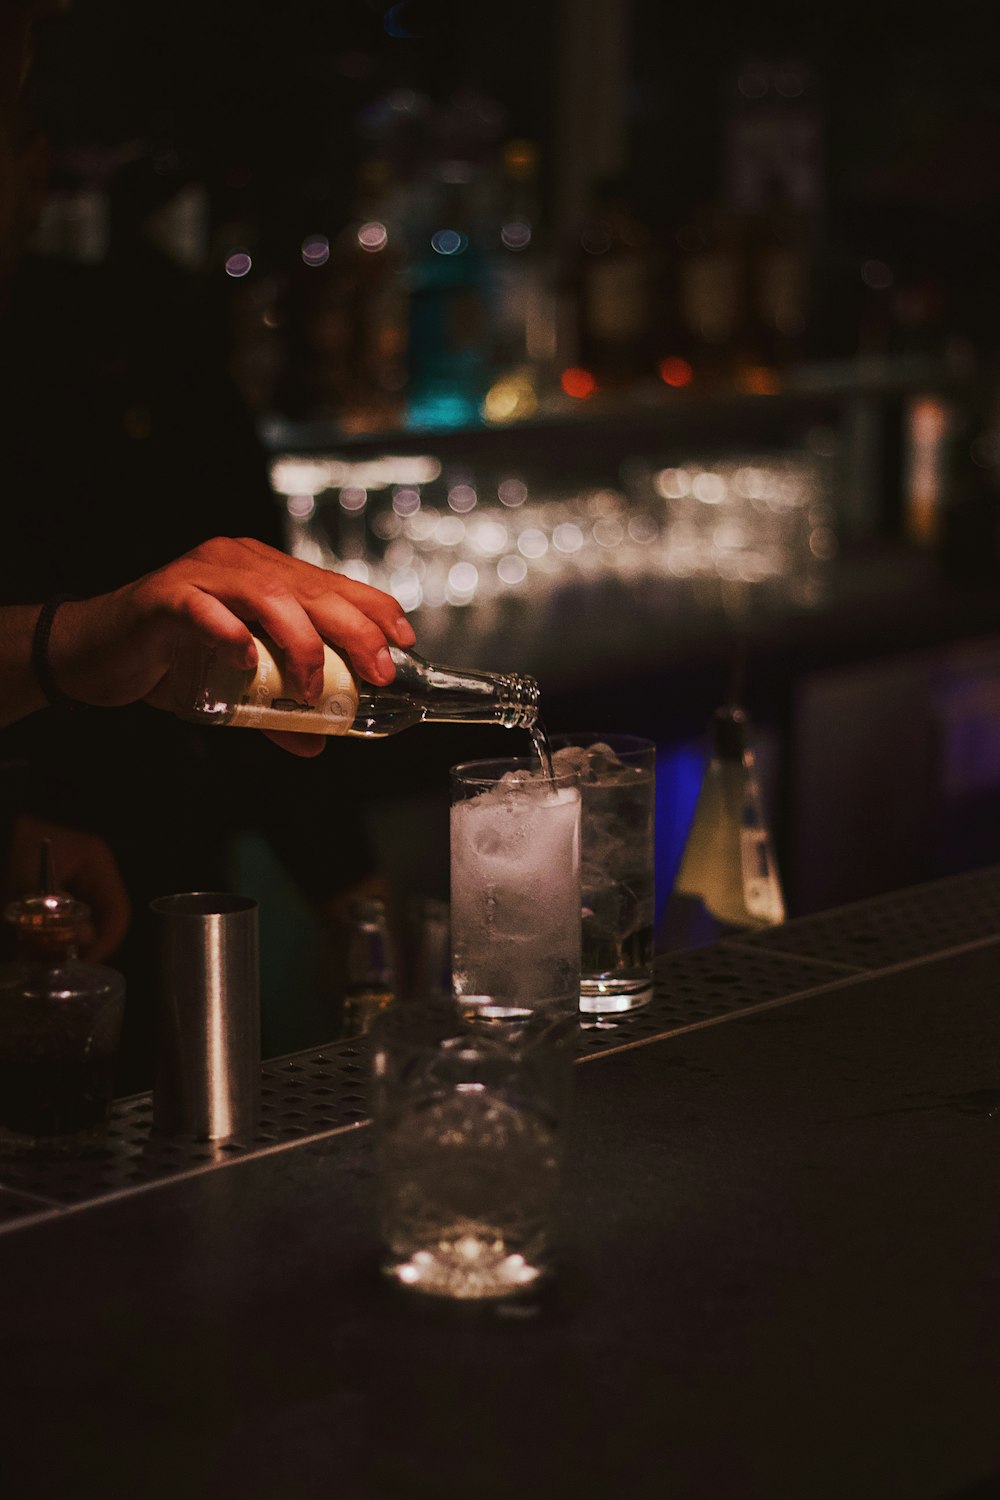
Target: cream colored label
267, 703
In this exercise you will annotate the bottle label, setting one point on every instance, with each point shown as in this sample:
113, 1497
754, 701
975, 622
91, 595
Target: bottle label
267, 704
710, 295
616, 299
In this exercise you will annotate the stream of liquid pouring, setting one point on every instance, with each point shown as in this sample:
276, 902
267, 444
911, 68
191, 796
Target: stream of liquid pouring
542, 748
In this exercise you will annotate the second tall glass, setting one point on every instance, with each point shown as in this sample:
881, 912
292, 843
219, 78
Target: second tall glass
617, 778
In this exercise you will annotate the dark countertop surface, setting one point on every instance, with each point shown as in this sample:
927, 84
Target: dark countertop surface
780, 1278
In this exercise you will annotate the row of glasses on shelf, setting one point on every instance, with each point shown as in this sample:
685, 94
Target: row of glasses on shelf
763, 524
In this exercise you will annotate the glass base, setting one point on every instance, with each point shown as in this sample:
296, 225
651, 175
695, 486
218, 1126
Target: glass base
485, 1008
602, 997
469, 1268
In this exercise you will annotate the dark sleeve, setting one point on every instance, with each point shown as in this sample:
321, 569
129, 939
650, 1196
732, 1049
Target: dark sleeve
13, 769
313, 813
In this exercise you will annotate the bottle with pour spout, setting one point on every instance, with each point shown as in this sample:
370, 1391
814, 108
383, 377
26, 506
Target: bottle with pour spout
60, 1022
728, 878
420, 693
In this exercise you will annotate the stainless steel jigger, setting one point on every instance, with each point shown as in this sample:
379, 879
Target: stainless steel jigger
208, 1036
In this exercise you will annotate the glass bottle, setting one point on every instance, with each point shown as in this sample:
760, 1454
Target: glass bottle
709, 295
357, 322
616, 275
450, 301
524, 311
371, 965
432, 961
728, 878
60, 1022
421, 692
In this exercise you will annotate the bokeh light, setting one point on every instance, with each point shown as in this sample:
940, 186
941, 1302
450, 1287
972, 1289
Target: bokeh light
316, 250
300, 506
373, 236
675, 372
532, 542
516, 235
449, 241
512, 493
512, 569
578, 383
406, 501
462, 498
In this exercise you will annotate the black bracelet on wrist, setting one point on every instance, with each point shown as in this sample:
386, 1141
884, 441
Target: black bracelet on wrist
40, 654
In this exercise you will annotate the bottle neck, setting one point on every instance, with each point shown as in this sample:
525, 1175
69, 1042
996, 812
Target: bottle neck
729, 735
46, 927
458, 695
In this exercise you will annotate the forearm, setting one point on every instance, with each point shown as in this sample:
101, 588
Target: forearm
81, 641
123, 647
85, 641
20, 690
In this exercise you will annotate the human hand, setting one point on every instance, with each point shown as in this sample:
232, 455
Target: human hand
85, 867
125, 646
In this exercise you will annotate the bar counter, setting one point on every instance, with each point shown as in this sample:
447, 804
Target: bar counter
779, 1275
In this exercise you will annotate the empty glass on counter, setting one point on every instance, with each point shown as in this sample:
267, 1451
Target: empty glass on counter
515, 889
617, 780
469, 1124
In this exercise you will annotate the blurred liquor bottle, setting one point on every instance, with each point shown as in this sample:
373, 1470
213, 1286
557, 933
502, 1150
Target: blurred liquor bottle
431, 962
614, 275
74, 222
707, 300
780, 255
773, 194
524, 314
370, 964
965, 521
728, 878
348, 315
60, 1023
450, 298
252, 285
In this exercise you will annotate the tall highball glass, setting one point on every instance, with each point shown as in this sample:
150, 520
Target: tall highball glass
515, 889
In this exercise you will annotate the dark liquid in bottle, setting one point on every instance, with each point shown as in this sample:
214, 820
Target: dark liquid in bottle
46, 1098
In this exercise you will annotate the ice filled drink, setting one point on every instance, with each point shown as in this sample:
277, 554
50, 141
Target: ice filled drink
617, 777
515, 888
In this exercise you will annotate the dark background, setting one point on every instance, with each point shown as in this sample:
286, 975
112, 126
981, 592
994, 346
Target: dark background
270, 101
274, 104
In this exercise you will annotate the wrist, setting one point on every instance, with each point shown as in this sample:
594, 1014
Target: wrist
48, 661
81, 650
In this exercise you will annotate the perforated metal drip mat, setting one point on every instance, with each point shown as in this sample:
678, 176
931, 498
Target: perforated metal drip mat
324, 1091
313, 1093
701, 984
897, 928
